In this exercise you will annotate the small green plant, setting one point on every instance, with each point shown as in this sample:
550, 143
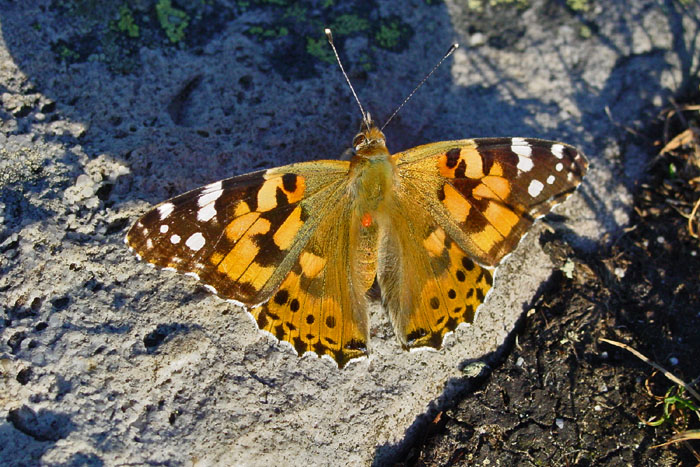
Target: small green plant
126, 22
388, 36
345, 25
677, 409
392, 33
172, 20
672, 171
67, 54
585, 32
267, 33
580, 6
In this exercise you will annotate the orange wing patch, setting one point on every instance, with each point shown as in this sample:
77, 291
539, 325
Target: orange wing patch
461, 162
290, 186
286, 233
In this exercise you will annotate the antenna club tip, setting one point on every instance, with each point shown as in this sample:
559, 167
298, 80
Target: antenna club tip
455, 45
328, 33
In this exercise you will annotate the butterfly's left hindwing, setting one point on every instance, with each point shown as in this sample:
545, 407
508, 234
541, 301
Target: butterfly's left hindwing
321, 305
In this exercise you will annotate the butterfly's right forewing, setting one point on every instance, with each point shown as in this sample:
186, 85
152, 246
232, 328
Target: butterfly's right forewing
486, 193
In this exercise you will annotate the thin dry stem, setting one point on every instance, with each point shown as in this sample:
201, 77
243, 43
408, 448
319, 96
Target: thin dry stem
691, 227
666, 373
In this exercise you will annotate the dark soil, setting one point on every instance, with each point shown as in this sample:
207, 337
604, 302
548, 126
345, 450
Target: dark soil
562, 397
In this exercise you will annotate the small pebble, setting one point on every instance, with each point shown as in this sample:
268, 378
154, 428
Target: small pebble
477, 39
560, 423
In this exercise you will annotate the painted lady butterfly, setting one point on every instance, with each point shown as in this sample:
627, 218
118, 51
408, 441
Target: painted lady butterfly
301, 245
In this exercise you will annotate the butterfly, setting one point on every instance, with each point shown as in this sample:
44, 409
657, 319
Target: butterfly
301, 245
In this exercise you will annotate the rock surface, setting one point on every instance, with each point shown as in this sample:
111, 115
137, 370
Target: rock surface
103, 360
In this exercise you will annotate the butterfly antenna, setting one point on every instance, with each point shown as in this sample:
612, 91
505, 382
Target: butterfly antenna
452, 48
365, 116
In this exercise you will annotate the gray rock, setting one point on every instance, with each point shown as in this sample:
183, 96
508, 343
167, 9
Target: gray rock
103, 360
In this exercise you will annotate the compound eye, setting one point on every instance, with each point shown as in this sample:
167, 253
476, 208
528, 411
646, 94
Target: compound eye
359, 141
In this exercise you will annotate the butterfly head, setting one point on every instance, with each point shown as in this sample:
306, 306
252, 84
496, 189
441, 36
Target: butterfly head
370, 141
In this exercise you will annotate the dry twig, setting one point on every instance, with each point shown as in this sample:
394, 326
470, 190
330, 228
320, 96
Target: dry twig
691, 228
666, 373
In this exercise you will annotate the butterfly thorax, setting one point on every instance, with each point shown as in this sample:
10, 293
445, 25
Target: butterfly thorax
371, 170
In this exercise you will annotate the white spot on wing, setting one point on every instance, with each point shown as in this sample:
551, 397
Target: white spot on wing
521, 147
195, 242
210, 194
559, 167
149, 243
164, 228
550, 179
535, 188
165, 210
175, 239
558, 151
206, 213
524, 163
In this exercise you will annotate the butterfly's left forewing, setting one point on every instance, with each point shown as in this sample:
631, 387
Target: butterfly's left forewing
239, 236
